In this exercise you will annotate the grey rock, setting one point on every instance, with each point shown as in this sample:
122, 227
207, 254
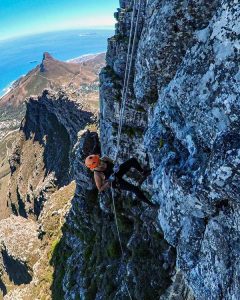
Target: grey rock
184, 97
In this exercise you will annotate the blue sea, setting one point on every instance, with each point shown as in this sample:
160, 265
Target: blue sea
18, 56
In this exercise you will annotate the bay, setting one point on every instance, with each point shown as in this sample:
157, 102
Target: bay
20, 55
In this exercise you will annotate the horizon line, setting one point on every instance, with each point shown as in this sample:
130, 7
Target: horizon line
107, 27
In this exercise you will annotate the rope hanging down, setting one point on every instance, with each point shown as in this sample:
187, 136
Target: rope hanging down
128, 72
119, 237
122, 110
125, 77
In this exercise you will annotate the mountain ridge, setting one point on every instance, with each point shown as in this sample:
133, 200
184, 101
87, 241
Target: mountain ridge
53, 74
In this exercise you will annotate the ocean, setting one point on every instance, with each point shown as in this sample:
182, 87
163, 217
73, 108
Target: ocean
18, 56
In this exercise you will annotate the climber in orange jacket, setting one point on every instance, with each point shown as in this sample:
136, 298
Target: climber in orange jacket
105, 174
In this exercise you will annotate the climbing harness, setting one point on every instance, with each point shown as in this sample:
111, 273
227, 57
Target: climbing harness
121, 114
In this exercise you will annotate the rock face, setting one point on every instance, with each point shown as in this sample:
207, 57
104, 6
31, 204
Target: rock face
40, 163
44, 162
182, 119
29, 273
19, 251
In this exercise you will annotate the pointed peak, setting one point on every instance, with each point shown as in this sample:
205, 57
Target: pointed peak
47, 56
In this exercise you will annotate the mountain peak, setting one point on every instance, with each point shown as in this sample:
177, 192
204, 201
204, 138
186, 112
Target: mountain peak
47, 56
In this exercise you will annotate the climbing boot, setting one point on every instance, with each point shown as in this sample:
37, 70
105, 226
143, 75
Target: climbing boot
146, 173
144, 176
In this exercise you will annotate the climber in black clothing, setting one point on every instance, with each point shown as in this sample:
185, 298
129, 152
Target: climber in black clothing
104, 171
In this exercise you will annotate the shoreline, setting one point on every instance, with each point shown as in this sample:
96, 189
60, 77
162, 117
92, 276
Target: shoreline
84, 57
7, 89
76, 60
77, 42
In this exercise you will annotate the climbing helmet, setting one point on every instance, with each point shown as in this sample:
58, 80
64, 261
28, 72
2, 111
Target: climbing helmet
92, 161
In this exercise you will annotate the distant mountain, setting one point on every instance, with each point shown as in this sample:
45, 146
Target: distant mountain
79, 77
54, 74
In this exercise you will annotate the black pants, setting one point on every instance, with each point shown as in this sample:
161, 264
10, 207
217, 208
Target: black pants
119, 182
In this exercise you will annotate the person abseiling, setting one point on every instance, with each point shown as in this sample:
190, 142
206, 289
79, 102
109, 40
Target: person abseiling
105, 174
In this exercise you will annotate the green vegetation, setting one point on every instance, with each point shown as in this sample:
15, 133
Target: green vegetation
110, 72
92, 290
140, 109
121, 38
128, 9
59, 257
52, 264
152, 98
113, 249
142, 250
54, 246
124, 224
161, 143
133, 132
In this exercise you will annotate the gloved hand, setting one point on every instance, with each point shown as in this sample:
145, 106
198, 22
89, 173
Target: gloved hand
116, 168
111, 178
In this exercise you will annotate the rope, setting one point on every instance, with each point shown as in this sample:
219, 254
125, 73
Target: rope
128, 54
122, 110
119, 237
127, 74
116, 220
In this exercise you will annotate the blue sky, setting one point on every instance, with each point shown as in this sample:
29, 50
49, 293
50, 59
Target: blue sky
23, 17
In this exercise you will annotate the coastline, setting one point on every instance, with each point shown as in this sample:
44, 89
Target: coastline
84, 57
76, 60
77, 43
7, 89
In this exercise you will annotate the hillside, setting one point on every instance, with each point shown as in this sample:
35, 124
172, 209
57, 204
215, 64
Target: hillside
54, 74
43, 164
76, 77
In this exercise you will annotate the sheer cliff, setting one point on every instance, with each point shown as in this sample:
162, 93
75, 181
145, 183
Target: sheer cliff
182, 119
43, 163
40, 163
79, 78
182, 122
41, 187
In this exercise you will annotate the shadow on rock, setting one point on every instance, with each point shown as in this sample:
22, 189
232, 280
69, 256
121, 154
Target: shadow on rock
18, 273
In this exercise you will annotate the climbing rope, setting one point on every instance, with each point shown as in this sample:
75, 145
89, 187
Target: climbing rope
127, 74
119, 237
